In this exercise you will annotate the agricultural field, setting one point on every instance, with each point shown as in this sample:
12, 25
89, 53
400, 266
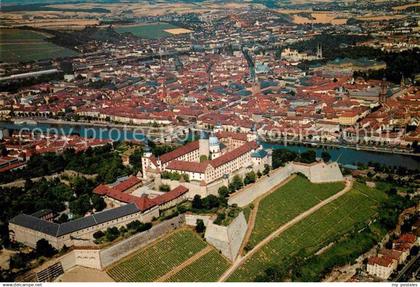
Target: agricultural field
22, 45
155, 261
315, 232
287, 202
147, 31
206, 269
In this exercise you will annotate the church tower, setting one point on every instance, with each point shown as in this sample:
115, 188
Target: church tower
214, 147
383, 92
145, 160
319, 51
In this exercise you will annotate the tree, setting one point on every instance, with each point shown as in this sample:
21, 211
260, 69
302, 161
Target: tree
112, 233
223, 191
266, 169
98, 202
308, 156
18, 261
197, 202
282, 156
325, 156
210, 202
164, 188
135, 159
81, 205
98, 234
220, 217
237, 182
63, 218
203, 158
200, 227
44, 248
250, 177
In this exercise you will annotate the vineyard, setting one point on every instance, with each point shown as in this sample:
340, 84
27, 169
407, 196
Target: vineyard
308, 236
287, 202
206, 269
154, 261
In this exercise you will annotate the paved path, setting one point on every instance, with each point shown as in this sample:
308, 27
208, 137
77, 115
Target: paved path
281, 229
184, 264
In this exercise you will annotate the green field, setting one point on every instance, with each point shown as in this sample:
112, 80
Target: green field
316, 231
147, 31
22, 45
295, 197
206, 269
155, 261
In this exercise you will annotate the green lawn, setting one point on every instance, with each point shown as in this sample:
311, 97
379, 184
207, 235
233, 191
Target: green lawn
147, 31
155, 261
316, 231
22, 45
206, 269
288, 202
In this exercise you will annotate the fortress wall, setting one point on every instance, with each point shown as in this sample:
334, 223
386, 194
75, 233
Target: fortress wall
320, 172
236, 234
251, 192
191, 219
227, 239
87, 258
193, 187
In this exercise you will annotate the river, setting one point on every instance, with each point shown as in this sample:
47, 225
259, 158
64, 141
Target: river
343, 155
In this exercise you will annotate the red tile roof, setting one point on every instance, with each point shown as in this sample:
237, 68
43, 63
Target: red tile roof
406, 238
189, 147
382, 261
229, 156
171, 195
143, 203
199, 167
394, 254
236, 136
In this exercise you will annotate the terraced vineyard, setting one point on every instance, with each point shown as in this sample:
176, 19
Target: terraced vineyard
154, 261
288, 202
308, 236
206, 269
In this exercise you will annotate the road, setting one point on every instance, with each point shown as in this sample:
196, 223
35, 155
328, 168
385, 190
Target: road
238, 262
412, 266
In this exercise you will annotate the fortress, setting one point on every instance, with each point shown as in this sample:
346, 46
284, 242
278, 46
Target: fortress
208, 163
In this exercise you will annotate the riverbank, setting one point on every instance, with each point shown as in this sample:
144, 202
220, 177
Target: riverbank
355, 147
344, 154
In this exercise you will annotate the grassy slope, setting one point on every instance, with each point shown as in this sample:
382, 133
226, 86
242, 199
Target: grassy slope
288, 202
308, 236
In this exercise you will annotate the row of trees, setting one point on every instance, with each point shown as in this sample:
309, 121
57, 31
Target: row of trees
112, 233
175, 176
283, 156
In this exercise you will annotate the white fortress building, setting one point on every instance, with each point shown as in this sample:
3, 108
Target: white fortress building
209, 162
